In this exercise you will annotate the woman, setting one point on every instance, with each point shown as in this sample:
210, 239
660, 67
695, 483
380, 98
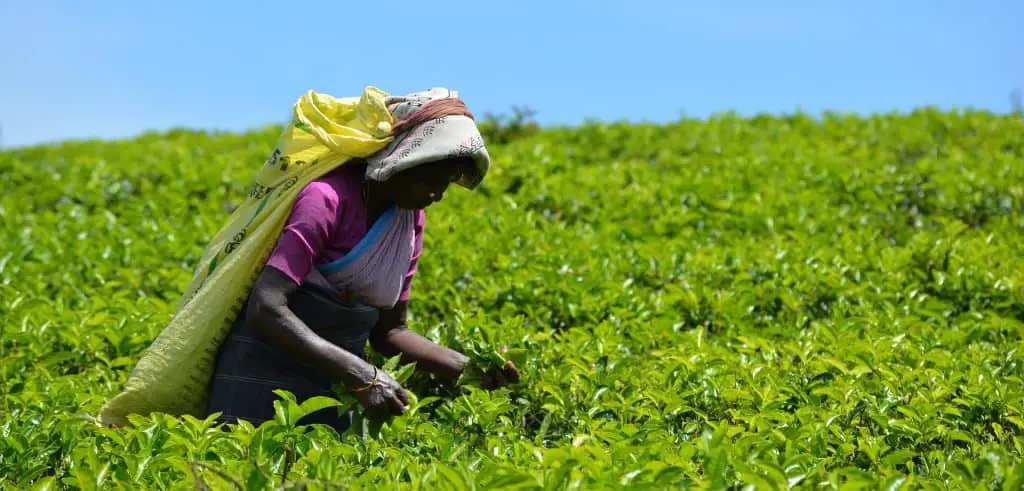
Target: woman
341, 275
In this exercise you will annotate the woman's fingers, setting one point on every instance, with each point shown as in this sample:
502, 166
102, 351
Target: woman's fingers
500, 379
381, 403
403, 396
494, 379
378, 410
512, 371
396, 406
382, 412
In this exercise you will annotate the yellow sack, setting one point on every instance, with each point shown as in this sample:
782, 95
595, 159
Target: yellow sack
325, 132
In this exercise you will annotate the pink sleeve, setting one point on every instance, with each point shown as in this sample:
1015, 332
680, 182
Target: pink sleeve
313, 218
417, 251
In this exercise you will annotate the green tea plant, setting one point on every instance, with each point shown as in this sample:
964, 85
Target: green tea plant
767, 302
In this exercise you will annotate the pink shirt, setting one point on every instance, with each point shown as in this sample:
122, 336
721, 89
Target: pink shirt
327, 220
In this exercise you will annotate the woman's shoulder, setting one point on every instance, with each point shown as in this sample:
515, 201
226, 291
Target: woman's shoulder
335, 187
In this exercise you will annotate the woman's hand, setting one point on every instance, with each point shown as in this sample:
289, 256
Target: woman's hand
383, 396
495, 379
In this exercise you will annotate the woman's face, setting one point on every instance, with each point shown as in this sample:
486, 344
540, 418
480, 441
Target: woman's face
424, 185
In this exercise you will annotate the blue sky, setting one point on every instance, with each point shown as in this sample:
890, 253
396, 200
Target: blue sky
80, 69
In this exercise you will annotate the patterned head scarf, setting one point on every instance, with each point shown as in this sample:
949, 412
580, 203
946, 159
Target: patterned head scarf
431, 125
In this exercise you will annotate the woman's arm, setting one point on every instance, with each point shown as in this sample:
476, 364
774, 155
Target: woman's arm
391, 336
269, 313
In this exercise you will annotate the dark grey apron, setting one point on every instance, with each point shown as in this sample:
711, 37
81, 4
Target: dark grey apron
248, 368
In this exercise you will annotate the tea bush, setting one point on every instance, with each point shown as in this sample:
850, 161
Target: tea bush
831, 302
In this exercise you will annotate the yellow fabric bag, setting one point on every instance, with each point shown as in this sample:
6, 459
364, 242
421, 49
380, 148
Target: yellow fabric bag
324, 133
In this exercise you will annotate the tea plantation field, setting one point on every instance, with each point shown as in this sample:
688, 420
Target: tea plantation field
774, 301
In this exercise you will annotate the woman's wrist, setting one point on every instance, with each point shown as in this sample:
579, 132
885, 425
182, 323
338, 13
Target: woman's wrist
368, 385
350, 369
364, 375
458, 364
461, 361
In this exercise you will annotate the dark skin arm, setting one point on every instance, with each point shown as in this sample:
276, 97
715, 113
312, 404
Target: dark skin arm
392, 336
269, 313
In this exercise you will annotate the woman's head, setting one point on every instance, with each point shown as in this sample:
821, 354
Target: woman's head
425, 184
436, 143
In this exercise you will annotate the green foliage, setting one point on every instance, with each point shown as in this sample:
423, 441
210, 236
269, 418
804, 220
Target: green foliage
501, 129
780, 302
